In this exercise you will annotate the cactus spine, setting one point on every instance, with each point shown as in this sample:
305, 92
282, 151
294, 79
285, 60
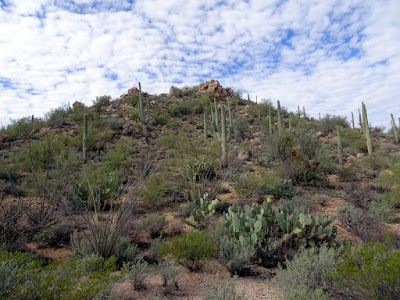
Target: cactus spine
395, 132
340, 147
279, 116
367, 133
85, 138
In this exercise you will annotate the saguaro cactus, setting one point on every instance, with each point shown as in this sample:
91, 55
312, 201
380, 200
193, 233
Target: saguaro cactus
224, 138
85, 138
395, 132
304, 112
340, 147
141, 114
367, 133
279, 116
352, 119
205, 127
269, 120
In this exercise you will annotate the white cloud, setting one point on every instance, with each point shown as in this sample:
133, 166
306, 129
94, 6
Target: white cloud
65, 55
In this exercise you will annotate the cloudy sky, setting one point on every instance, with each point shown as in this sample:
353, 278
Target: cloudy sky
326, 55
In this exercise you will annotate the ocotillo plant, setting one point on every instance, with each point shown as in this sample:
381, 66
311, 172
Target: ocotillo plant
352, 119
85, 138
367, 133
141, 113
269, 120
340, 147
279, 116
395, 132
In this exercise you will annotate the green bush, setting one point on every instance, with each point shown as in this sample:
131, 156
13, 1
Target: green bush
220, 290
304, 294
101, 101
56, 235
247, 186
32, 278
23, 127
169, 273
328, 123
369, 271
156, 186
233, 255
154, 224
306, 271
191, 249
160, 118
137, 272
182, 108
278, 187
57, 117
261, 110
278, 146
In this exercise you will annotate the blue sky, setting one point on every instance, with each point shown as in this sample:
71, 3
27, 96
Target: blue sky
325, 55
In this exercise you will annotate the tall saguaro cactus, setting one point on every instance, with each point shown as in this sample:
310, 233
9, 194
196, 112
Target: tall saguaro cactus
141, 114
85, 138
279, 116
269, 120
205, 127
367, 132
395, 131
224, 138
352, 119
340, 147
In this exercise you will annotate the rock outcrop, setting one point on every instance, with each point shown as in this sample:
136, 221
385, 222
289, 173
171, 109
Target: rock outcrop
214, 87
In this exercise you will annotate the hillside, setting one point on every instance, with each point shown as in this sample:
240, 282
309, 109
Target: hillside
190, 187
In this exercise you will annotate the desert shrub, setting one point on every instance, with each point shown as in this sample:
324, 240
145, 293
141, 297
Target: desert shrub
321, 199
101, 101
247, 186
32, 278
160, 118
391, 181
153, 224
57, 117
241, 128
382, 210
328, 123
261, 110
137, 272
132, 99
369, 271
191, 249
233, 255
23, 127
182, 108
306, 271
113, 123
102, 181
278, 146
219, 290
156, 186
124, 250
117, 158
278, 187
170, 274
153, 253
55, 235
309, 144
360, 196
359, 222
304, 294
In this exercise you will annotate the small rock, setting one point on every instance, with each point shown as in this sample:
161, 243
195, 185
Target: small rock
4, 138
43, 131
320, 134
255, 142
386, 173
244, 155
360, 155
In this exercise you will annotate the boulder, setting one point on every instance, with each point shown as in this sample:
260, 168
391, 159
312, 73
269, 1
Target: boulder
386, 173
320, 134
244, 155
4, 138
214, 87
174, 92
360, 155
133, 91
78, 105
255, 142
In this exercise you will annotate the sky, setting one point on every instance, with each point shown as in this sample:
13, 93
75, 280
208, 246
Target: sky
327, 55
